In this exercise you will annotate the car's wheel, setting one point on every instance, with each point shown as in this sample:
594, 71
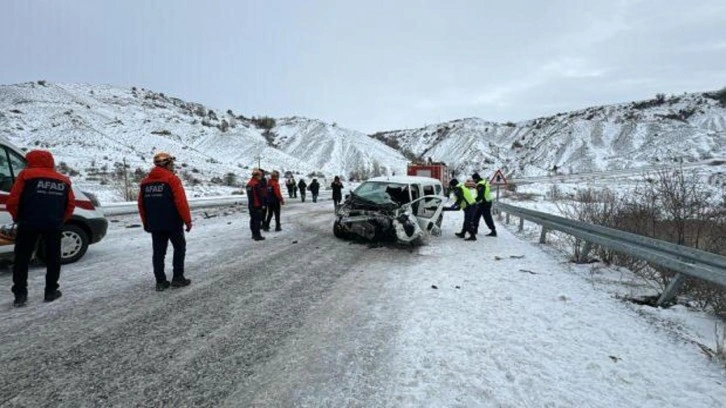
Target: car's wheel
74, 244
338, 230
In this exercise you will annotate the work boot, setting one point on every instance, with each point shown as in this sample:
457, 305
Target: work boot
51, 296
20, 300
180, 282
460, 234
492, 234
259, 238
472, 237
278, 228
161, 286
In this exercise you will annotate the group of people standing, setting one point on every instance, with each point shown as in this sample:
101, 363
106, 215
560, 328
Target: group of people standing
475, 207
264, 198
302, 186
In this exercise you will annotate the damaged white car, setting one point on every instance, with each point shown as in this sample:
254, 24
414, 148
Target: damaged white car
397, 208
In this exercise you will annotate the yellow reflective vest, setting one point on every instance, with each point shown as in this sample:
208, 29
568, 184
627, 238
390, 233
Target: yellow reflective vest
467, 195
487, 189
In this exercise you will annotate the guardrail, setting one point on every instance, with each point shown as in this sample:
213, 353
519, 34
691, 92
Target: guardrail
131, 207
685, 261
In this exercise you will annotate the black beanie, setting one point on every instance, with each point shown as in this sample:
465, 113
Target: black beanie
476, 176
453, 182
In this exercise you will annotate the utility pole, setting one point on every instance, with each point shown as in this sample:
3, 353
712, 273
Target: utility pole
127, 187
259, 158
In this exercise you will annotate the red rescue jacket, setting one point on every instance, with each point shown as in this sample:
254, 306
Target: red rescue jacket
274, 187
41, 197
162, 201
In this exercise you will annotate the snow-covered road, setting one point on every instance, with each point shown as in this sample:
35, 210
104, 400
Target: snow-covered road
304, 319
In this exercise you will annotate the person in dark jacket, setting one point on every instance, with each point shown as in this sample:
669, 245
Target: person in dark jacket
255, 204
164, 212
484, 201
337, 187
274, 201
464, 201
290, 184
314, 188
263, 183
303, 187
40, 201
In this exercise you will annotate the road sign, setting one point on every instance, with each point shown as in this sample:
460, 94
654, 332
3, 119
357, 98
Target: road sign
498, 178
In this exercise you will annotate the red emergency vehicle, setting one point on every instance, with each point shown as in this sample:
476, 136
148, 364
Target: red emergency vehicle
431, 169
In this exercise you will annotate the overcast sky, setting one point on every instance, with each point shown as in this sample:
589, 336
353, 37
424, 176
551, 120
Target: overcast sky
374, 65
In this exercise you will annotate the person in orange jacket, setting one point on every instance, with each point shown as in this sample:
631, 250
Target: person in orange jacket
274, 201
164, 212
40, 202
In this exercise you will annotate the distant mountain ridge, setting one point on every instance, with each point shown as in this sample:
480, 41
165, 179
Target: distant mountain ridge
94, 129
689, 127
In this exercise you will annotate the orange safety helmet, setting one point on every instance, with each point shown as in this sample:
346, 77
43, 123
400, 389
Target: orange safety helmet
163, 158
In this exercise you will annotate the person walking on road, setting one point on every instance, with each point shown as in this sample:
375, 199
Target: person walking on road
255, 204
165, 212
484, 202
274, 201
314, 188
337, 187
40, 202
303, 186
290, 184
465, 201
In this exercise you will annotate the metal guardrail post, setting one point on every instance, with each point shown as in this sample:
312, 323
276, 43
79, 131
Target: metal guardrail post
543, 236
673, 287
521, 224
582, 258
507, 219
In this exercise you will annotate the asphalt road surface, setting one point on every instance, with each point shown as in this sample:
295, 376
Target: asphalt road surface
289, 321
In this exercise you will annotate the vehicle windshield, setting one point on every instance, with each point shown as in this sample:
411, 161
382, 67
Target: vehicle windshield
381, 192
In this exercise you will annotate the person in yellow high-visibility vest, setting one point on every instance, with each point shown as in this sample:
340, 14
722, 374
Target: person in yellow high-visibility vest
484, 202
465, 201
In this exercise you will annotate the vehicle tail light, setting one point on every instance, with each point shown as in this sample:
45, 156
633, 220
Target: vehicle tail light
86, 205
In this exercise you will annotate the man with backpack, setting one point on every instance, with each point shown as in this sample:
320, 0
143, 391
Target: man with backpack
40, 202
314, 188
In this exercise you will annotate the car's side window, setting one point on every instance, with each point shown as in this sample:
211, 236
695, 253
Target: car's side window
10, 165
430, 205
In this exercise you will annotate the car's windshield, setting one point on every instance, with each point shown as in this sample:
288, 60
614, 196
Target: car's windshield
381, 192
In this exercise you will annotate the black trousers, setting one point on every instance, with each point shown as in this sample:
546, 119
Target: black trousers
302, 195
255, 221
25, 242
160, 241
290, 192
469, 213
263, 215
273, 209
484, 209
315, 198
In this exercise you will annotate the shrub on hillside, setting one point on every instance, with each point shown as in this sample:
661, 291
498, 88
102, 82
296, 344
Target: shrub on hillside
263, 122
670, 206
720, 96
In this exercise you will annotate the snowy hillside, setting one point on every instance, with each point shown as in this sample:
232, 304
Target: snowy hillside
335, 150
689, 127
93, 129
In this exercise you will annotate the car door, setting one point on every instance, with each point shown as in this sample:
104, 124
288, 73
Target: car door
10, 165
428, 208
